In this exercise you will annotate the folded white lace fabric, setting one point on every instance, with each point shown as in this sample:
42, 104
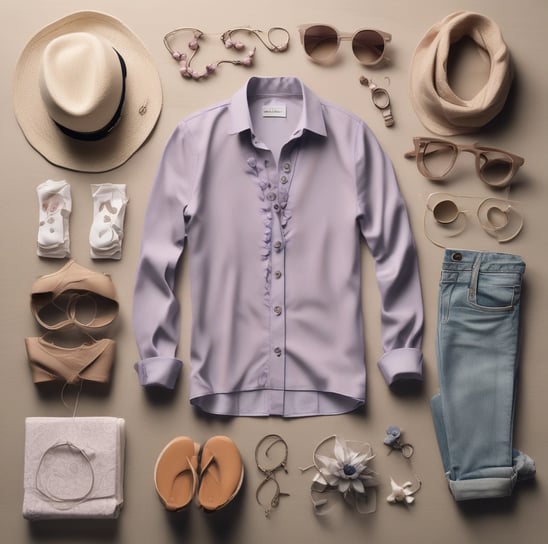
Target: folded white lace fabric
107, 230
74, 467
55, 205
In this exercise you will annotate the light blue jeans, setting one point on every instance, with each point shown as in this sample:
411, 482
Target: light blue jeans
477, 350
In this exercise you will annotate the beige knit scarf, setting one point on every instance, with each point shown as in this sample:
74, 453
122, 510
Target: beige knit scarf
436, 104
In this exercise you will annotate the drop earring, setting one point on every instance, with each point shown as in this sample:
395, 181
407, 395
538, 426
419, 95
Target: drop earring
262, 457
380, 98
501, 219
404, 493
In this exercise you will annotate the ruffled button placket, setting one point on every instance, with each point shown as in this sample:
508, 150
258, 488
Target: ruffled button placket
259, 172
273, 192
274, 200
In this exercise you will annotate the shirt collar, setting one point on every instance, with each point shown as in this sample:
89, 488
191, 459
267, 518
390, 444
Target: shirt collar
311, 116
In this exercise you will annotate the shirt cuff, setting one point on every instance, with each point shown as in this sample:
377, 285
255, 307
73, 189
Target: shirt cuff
160, 371
401, 364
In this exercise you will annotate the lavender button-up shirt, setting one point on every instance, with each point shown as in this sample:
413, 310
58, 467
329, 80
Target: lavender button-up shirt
270, 192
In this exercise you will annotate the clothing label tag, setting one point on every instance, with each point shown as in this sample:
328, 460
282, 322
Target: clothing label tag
277, 110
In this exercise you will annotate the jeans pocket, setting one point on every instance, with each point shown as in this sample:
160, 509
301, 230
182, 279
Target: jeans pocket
495, 292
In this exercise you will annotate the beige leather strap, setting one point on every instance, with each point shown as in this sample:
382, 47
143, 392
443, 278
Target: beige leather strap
88, 362
74, 296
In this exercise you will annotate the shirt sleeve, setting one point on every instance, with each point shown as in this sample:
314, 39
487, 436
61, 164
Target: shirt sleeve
156, 314
384, 224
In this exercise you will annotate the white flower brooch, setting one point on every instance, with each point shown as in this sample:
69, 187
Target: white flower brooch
401, 493
346, 471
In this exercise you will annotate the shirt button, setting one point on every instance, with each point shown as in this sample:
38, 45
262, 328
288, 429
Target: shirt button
278, 351
277, 245
277, 274
277, 310
276, 207
284, 179
271, 196
287, 167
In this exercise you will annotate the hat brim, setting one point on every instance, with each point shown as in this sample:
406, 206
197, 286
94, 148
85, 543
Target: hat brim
142, 105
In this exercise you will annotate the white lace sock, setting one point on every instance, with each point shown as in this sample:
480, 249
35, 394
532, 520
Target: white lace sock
55, 205
107, 230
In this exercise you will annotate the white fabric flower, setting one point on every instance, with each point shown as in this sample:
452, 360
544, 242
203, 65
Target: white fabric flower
401, 493
347, 470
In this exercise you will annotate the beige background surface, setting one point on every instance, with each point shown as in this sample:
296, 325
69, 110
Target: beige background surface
154, 420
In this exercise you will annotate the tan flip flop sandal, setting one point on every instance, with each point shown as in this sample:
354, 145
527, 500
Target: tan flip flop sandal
221, 473
176, 473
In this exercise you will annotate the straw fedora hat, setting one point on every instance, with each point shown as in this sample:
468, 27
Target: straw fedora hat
86, 92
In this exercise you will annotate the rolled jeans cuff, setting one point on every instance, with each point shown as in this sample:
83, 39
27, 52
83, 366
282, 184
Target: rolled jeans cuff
482, 488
